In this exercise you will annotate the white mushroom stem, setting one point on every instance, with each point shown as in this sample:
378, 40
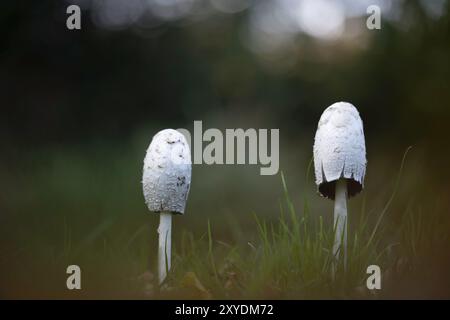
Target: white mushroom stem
340, 223
165, 245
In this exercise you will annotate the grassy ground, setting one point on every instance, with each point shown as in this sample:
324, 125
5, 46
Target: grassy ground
74, 211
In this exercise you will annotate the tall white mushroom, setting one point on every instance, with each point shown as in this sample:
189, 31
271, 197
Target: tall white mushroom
166, 181
340, 164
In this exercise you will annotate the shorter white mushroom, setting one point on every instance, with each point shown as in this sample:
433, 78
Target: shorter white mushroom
166, 181
340, 163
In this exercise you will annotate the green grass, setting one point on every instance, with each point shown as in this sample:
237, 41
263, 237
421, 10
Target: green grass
73, 211
291, 259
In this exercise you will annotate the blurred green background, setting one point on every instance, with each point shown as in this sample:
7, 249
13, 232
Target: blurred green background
79, 109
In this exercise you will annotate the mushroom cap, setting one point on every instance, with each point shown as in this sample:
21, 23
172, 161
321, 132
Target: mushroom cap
340, 150
167, 172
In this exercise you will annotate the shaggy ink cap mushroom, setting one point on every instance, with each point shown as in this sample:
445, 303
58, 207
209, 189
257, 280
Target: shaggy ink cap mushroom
339, 150
167, 172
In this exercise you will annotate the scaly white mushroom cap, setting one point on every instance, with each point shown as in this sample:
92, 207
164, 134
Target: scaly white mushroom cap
340, 150
167, 172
